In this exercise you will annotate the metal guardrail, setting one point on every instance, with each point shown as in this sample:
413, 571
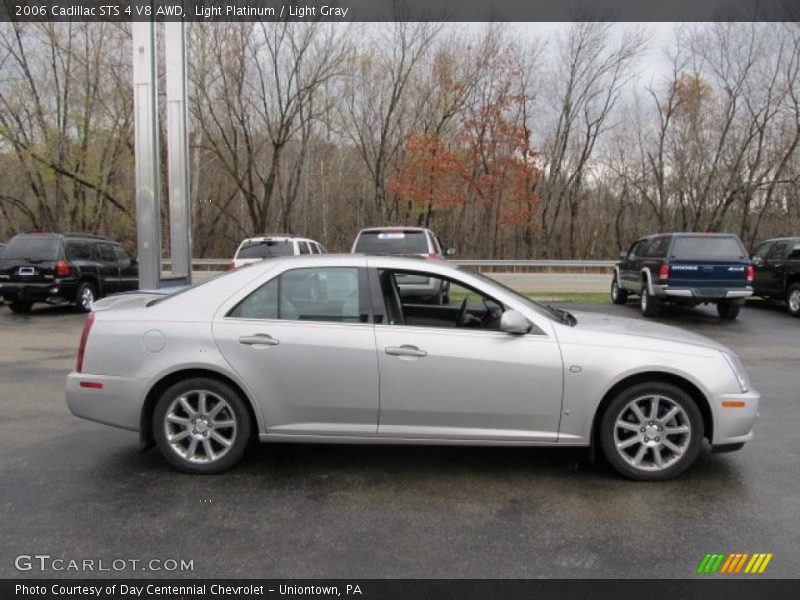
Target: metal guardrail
215, 264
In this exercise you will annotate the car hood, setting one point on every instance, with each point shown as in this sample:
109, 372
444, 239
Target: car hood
639, 328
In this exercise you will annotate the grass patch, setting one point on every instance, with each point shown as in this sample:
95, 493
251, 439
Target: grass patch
579, 297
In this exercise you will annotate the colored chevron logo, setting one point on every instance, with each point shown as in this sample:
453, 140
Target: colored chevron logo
734, 563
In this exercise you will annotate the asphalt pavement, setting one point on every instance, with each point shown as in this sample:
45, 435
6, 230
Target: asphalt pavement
76, 490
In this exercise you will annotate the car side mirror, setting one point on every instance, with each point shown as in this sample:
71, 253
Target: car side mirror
514, 322
450, 251
623, 255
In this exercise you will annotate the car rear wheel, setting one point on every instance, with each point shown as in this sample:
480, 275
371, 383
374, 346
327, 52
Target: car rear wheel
651, 431
793, 300
201, 426
84, 297
21, 307
728, 309
618, 295
650, 306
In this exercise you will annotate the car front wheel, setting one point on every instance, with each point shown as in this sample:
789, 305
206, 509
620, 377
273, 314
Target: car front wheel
651, 431
793, 300
201, 426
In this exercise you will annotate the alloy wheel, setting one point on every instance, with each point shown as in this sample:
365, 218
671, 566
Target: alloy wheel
200, 426
652, 432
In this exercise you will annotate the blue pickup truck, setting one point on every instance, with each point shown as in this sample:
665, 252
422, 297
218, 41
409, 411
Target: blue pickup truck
686, 269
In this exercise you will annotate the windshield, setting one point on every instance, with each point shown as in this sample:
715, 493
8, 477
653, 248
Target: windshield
266, 249
707, 248
32, 247
392, 242
556, 314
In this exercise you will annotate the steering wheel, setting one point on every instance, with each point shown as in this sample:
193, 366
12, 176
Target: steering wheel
461, 312
491, 314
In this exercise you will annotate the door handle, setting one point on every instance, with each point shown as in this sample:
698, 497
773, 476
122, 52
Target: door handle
405, 350
259, 339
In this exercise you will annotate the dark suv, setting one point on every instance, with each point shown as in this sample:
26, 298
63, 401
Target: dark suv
687, 269
64, 267
777, 264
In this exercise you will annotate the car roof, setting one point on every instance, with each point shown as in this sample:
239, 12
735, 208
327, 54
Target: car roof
783, 239
276, 236
392, 228
58, 234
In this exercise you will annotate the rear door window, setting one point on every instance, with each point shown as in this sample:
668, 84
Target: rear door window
392, 242
266, 249
707, 248
76, 250
778, 251
330, 294
33, 247
304, 249
106, 252
658, 248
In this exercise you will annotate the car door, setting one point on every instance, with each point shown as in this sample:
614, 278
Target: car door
775, 267
109, 268
128, 270
304, 345
441, 378
629, 267
762, 282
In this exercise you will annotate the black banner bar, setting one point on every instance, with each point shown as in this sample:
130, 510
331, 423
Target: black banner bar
399, 10
732, 588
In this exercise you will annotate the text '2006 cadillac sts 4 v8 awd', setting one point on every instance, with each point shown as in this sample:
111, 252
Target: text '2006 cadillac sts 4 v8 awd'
324, 348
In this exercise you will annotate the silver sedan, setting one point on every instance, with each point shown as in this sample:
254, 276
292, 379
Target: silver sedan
324, 348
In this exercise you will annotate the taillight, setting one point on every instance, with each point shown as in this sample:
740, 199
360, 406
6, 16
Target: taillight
84, 338
232, 266
663, 272
62, 268
751, 273
432, 255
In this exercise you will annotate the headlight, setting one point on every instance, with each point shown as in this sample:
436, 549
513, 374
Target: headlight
738, 370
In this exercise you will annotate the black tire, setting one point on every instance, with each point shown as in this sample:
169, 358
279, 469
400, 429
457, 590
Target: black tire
692, 443
728, 309
618, 295
793, 299
649, 305
235, 411
21, 307
85, 297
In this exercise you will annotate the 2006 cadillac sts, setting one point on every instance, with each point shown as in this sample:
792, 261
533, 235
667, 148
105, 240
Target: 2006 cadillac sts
324, 348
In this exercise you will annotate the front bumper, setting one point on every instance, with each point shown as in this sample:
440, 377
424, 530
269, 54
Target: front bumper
118, 402
734, 423
54, 291
701, 294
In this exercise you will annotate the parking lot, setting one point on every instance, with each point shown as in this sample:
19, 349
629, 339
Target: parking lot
76, 490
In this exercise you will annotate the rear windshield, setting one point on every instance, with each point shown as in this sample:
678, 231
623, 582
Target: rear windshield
266, 249
33, 247
707, 248
392, 242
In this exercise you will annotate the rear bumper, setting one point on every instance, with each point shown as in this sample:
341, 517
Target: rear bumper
118, 402
38, 292
734, 425
702, 294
